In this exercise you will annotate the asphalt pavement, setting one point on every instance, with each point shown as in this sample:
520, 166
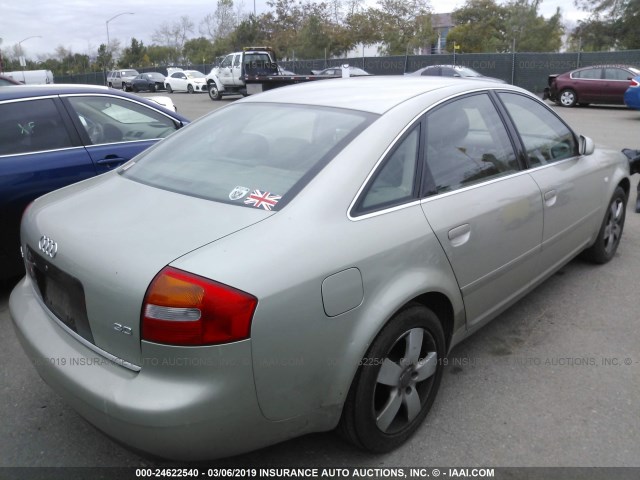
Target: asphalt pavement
554, 381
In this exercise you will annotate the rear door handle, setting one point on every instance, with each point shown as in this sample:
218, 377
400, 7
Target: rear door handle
460, 235
550, 198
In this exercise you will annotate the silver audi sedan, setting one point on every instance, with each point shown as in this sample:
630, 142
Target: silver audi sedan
304, 259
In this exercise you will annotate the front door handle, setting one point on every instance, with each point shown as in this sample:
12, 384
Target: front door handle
109, 159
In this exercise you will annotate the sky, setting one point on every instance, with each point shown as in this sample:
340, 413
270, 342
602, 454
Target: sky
80, 25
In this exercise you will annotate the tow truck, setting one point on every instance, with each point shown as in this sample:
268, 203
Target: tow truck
253, 70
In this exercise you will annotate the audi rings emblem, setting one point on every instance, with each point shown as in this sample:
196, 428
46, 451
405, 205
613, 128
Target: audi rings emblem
48, 246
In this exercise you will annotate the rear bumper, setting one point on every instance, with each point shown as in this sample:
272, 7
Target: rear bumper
184, 403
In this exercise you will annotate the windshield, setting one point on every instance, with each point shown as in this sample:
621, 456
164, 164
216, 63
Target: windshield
249, 150
194, 74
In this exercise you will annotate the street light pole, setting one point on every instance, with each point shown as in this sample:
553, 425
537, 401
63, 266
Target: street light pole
20, 47
107, 23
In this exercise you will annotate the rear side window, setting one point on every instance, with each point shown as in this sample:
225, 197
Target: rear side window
591, 73
108, 119
467, 143
31, 126
247, 152
395, 181
545, 137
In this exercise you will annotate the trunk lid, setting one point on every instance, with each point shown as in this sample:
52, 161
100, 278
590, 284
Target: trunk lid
109, 237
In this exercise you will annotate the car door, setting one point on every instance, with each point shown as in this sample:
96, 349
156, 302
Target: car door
39, 152
225, 75
180, 80
236, 70
483, 207
616, 82
572, 186
588, 84
115, 129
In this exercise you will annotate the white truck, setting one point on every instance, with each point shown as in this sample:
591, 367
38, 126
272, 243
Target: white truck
31, 77
251, 71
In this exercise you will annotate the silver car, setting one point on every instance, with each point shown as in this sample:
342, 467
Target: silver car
304, 259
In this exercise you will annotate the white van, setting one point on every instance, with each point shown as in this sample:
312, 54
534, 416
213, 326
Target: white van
32, 77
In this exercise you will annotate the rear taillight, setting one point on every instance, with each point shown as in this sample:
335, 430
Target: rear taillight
185, 309
634, 83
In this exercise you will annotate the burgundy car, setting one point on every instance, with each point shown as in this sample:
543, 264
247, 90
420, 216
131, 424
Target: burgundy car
595, 84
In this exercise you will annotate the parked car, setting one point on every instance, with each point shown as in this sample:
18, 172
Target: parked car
452, 71
166, 102
190, 81
596, 84
5, 81
150, 81
353, 71
632, 94
52, 136
304, 259
119, 78
282, 71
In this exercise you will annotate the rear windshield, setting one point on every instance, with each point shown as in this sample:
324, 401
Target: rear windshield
249, 151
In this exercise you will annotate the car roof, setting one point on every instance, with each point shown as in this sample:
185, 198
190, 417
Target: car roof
24, 91
375, 94
31, 91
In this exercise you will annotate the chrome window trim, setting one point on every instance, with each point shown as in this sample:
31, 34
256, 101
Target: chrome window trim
28, 99
37, 152
414, 202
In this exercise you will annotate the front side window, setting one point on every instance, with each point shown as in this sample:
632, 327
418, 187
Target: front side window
31, 126
250, 151
109, 119
228, 60
545, 137
467, 143
613, 73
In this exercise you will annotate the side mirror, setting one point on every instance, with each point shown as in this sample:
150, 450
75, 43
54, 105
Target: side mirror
587, 147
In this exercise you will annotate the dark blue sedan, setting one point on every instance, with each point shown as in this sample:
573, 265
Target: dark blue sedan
55, 135
632, 95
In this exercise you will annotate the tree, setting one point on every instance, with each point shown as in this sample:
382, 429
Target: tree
199, 50
221, 22
530, 30
485, 26
134, 54
612, 24
401, 25
174, 34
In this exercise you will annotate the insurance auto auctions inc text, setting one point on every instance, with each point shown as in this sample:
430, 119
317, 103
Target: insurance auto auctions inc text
371, 473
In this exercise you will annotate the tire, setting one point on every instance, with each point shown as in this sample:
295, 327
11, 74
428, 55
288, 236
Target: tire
189, 88
568, 98
152, 88
610, 233
110, 85
390, 396
214, 93
169, 89
134, 89
124, 87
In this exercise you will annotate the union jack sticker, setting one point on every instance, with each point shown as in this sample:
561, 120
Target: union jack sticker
261, 199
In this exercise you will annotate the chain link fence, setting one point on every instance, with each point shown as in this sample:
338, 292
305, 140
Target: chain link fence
527, 70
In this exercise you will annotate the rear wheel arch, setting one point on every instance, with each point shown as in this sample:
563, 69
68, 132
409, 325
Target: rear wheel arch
441, 305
